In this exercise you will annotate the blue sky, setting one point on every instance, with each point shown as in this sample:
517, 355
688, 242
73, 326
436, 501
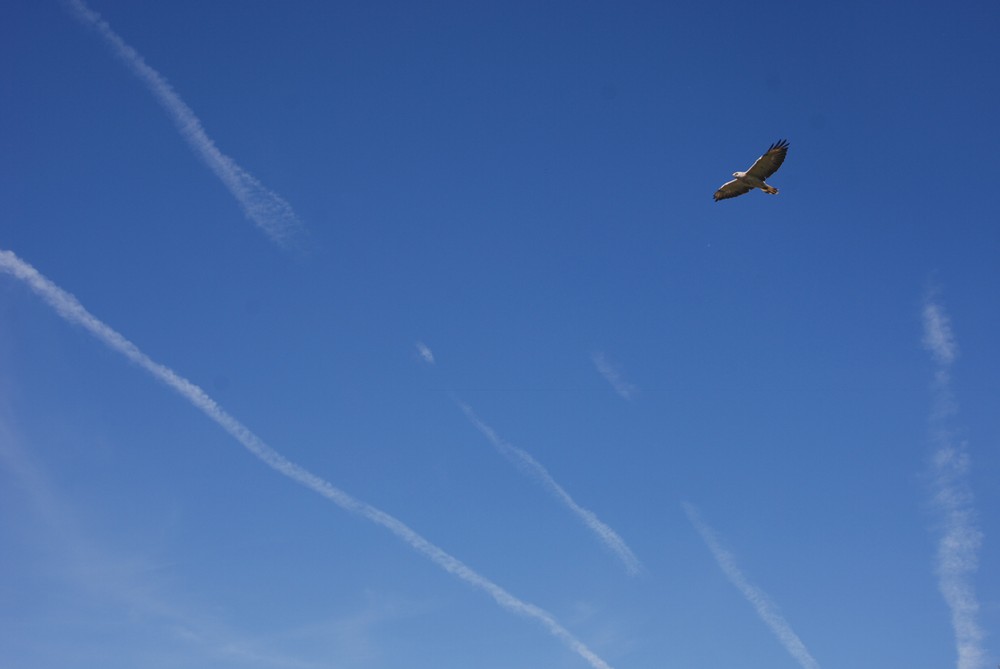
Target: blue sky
520, 393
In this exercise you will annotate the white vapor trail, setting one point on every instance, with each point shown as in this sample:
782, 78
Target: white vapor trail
522, 459
957, 555
72, 311
766, 609
613, 376
268, 210
426, 354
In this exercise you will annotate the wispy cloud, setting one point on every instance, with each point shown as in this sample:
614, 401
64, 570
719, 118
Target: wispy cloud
70, 309
524, 461
765, 608
425, 353
938, 337
958, 548
613, 375
103, 574
268, 210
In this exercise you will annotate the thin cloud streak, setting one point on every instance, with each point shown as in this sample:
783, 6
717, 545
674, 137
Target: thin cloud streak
523, 460
938, 337
268, 210
613, 376
104, 574
766, 609
72, 311
425, 353
958, 547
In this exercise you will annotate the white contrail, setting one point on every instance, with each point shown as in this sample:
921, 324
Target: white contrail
268, 210
958, 549
426, 354
522, 459
613, 376
766, 609
938, 337
71, 310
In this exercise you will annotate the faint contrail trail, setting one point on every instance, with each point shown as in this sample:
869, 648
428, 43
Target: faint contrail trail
957, 556
524, 460
426, 354
268, 210
72, 311
766, 609
613, 376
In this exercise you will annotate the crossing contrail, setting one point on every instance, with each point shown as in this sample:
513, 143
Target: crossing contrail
525, 461
268, 210
72, 311
958, 549
765, 608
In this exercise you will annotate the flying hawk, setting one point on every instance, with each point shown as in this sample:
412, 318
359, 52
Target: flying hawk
754, 177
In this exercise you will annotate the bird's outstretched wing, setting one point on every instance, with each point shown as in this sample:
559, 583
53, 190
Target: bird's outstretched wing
731, 189
769, 163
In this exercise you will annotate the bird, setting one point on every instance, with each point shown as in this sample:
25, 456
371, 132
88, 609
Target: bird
754, 177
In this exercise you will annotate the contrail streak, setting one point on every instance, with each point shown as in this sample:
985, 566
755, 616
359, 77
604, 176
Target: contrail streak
957, 555
268, 210
766, 609
72, 311
522, 459
613, 376
425, 352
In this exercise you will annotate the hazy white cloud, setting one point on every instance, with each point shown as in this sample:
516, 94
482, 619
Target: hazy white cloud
268, 210
938, 337
765, 608
107, 575
72, 311
527, 463
613, 375
425, 353
958, 546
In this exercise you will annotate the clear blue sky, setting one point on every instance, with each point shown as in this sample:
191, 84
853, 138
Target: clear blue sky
507, 312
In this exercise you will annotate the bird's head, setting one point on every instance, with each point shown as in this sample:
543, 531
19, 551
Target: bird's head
739, 174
